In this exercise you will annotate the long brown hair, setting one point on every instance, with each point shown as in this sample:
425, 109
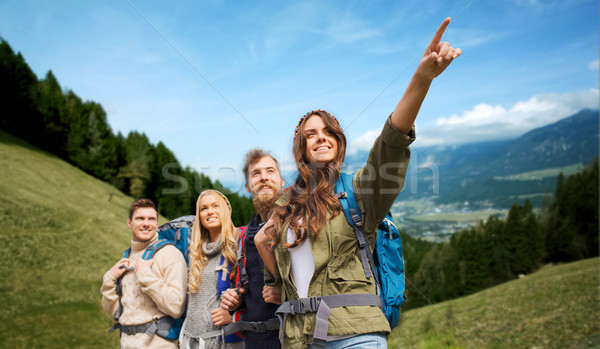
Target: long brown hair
312, 193
228, 245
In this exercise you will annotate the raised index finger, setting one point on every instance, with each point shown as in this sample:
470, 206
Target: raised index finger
438, 34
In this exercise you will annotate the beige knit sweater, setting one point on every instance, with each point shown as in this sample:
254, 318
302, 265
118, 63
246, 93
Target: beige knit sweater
148, 294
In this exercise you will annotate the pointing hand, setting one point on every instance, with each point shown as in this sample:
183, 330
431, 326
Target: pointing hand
438, 55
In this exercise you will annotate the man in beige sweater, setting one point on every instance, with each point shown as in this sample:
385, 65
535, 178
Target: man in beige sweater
151, 289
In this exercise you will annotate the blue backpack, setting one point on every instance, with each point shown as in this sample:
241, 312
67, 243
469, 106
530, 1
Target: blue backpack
179, 232
386, 260
223, 283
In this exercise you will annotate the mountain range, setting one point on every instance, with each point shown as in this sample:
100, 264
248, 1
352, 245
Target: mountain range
500, 172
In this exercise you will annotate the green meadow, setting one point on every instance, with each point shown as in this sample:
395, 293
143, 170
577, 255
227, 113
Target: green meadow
555, 307
459, 217
549, 172
61, 230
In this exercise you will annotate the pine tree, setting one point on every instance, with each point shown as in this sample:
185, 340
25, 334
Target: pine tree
101, 154
138, 162
77, 137
571, 224
51, 104
167, 184
18, 91
500, 256
475, 255
426, 285
523, 239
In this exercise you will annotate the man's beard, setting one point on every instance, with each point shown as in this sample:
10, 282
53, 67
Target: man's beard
264, 203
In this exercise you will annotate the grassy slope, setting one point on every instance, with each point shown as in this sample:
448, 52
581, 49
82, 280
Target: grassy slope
61, 230
556, 307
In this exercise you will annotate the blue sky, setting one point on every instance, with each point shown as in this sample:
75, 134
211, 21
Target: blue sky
212, 79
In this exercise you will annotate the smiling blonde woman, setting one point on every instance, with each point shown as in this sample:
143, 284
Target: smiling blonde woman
212, 252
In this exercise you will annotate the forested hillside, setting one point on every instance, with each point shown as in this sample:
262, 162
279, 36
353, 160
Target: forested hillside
496, 251
58, 121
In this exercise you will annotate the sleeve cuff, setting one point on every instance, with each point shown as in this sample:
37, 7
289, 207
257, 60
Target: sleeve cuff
395, 138
108, 278
269, 279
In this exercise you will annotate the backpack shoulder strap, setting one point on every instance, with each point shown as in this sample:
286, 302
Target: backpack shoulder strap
223, 271
155, 247
148, 254
241, 252
345, 193
241, 277
119, 288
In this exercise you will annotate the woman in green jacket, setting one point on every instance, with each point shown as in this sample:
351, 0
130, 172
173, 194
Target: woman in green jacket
308, 247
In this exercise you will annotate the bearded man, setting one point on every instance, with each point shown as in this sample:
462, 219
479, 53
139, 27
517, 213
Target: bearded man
264, 183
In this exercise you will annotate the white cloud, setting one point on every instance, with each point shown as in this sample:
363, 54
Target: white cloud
594, 65
491, 122
362, 142
486, 122
481, 114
